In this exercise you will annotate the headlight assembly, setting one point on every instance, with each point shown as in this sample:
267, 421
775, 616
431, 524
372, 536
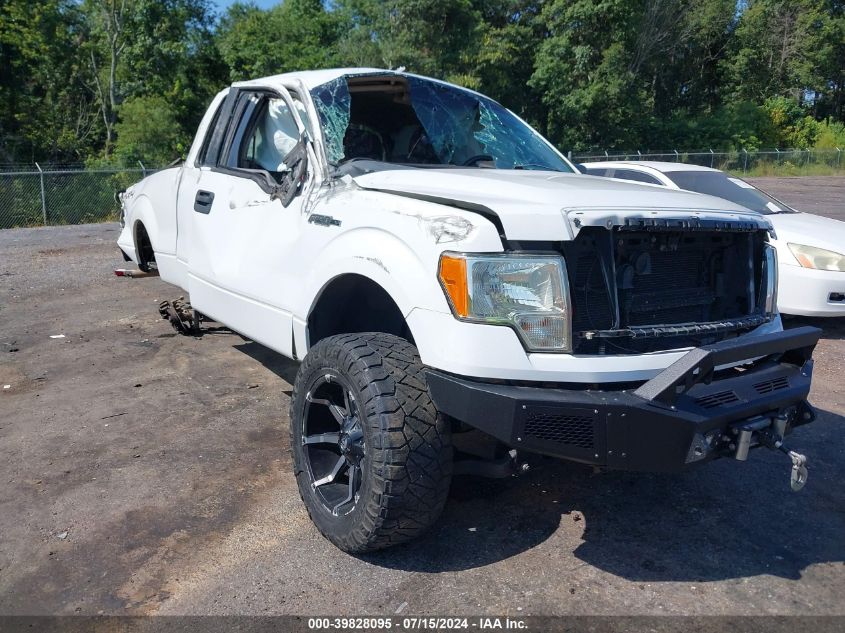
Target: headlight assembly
529, 293
769, 287
818, 258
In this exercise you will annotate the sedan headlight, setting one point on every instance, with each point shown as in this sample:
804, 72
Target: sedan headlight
529, 293
818, 258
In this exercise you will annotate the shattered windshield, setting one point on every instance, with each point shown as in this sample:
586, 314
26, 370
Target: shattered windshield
413, 121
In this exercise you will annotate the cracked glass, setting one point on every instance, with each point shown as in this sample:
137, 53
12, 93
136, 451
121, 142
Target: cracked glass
333, 104
464, 127
454, 127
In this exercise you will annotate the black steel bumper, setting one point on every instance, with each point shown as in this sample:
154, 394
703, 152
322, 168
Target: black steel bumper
688, 414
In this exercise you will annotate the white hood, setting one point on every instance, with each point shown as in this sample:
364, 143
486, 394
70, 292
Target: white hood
808, 229
542, 205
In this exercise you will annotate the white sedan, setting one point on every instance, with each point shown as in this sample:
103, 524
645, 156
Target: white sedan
810, 247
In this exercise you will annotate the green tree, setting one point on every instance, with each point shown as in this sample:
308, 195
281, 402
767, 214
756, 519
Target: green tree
510, 33
82, 78
831, 101
45, 111
782, 48
149, 47
431, 37
585, 73
295, 35
148, 130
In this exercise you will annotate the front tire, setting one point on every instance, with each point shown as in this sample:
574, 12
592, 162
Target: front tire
372, 457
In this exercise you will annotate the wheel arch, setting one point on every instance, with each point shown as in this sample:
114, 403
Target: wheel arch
394, 265
142, 218
352, 303
144, 250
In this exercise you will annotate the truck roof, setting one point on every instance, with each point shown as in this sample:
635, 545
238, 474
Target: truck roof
661, 166
313, 78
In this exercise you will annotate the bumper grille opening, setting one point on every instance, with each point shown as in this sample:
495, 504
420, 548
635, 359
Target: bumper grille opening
717, 399
768, 386
549, 426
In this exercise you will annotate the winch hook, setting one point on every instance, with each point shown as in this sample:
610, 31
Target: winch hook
798, 477
798, 474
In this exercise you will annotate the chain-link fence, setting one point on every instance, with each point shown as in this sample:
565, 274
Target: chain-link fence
760, 162
36, 195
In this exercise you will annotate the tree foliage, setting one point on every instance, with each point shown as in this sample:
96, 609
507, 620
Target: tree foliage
148, 130
128, 80
298, 34
44, 111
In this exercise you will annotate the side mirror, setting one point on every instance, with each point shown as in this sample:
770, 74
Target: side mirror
296, 163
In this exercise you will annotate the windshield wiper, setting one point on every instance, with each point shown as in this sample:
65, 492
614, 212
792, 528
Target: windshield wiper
529, 166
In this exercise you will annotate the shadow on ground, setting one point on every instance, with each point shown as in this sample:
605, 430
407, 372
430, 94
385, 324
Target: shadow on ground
283, 367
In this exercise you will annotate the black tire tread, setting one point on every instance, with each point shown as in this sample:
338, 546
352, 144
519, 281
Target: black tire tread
411, 451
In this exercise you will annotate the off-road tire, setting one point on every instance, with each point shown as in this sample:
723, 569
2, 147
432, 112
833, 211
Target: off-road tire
407, 466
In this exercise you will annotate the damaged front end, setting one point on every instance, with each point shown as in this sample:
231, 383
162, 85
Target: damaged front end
648, 284
719, 400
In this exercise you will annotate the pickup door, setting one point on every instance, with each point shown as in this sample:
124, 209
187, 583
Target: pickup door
239, 249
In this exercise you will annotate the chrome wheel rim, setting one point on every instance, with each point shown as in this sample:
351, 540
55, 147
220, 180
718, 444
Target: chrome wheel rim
333, 443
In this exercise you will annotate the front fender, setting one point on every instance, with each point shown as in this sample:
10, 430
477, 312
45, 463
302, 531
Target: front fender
394, 242
384, 259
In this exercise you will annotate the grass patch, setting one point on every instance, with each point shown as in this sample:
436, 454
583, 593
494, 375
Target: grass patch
790, 169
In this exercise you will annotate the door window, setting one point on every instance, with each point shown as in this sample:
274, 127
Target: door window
636, 176
265, 145
204, 157
274, 135
245, 111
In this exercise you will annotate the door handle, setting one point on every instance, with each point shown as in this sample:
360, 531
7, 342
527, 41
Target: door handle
202, 203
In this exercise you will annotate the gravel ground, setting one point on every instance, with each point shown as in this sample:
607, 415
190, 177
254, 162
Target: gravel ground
144, 472
821, 195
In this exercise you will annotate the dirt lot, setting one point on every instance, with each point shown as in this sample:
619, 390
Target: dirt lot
144, 472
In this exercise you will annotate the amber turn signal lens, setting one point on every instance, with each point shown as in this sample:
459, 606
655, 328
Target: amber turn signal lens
453, 276
805, 261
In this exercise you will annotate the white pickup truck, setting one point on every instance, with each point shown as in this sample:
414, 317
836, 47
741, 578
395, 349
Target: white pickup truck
456, 292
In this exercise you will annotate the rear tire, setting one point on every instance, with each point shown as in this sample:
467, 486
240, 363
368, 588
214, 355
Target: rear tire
372, 457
